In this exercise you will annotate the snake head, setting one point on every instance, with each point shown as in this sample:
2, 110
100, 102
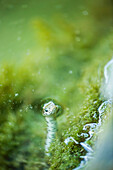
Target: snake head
50, 109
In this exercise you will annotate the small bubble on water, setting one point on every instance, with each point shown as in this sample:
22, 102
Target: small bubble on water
18, 38
70, 71
31, 107
67, 108
10, 123
16, 94
95, 102
85, 12
9, 101
33, 90
64, 90
28, 52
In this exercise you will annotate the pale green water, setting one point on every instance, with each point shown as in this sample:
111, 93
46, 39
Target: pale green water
55, 41
19, 39
58, 36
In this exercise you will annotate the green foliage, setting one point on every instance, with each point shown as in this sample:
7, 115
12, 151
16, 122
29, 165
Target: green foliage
21, 132
67, 53
18, 121
68, 156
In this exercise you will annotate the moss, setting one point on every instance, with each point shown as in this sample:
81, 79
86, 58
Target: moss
23, 129
68, 53
21, 144
68, 156
18, 121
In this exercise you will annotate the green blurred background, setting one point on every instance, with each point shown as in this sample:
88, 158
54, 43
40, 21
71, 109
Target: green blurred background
46, 48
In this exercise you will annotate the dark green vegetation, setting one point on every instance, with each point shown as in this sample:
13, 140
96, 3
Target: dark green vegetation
56, 50
68, 156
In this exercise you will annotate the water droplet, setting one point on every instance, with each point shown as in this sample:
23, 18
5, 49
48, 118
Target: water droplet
64, 89
9, 101
31, 107
18, 38
85, 12
70, 71
33, 90
16, 94
67, 108
10, 123
28, 53
95, 102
